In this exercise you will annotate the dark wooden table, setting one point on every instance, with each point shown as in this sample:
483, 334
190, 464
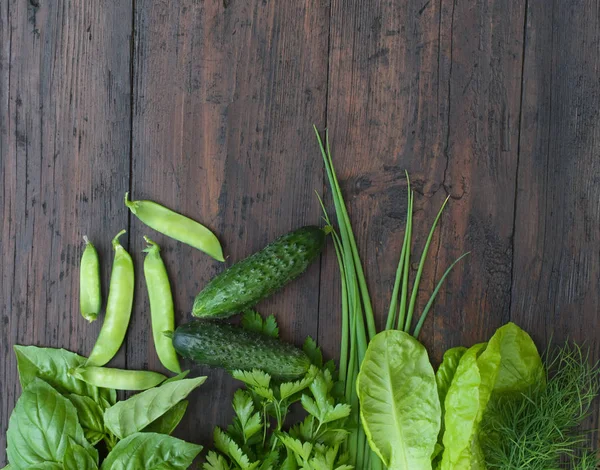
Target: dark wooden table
207, 107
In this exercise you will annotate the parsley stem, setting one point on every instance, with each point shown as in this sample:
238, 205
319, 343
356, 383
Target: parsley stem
265, 424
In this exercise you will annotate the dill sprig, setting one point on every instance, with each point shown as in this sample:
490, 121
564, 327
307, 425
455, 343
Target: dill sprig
540, 429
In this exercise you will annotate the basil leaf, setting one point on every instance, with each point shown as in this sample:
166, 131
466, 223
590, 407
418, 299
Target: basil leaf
91, 417
132, 415
167, 423
40, 426
399, 405
46, 466
151, 451
53, 365
78, 458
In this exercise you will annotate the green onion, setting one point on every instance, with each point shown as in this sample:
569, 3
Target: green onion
357, 312
433, 296
358, 322
408, 237
415, 290
540, 428
393, 312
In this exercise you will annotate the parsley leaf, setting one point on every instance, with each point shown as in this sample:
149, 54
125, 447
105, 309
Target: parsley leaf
313, 352
249, 422
215, 461
253, 321
257, 440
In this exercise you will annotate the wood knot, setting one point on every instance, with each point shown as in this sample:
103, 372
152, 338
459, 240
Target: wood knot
362, 184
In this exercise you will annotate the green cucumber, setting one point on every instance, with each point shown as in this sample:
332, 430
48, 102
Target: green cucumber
223, 345
245, 283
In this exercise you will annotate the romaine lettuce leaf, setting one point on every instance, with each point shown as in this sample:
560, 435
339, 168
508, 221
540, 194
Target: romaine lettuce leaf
399, 404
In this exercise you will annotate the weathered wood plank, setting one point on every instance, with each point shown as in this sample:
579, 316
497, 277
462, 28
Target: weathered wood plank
556, 281
383, 117
481, 65
432, 88
64, 146
224, 97
223, 105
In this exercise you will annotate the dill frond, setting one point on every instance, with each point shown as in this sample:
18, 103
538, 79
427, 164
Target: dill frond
539, 429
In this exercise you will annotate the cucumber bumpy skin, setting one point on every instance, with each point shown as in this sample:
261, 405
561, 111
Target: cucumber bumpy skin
245, 283
223, 345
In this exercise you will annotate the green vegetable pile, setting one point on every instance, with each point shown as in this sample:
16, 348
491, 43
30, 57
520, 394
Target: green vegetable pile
68, 416
538, 428
375, 390
493, 405
62, 422
257, 438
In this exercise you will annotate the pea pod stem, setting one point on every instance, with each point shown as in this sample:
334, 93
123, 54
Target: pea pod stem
118, 379
90, 296
118, 307
162, 311
115, 241
176, 226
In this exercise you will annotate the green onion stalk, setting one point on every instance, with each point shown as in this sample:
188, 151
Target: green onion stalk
358, 321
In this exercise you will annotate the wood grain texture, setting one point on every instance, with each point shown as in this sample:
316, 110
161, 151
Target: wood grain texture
223, 104
442, 103
207, 107
383, 107
64, 144
481, 65
556, 281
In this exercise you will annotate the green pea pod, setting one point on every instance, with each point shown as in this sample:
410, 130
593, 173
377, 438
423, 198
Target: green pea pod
90, 298
118, 379
176, 226
118, 307
161, 306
